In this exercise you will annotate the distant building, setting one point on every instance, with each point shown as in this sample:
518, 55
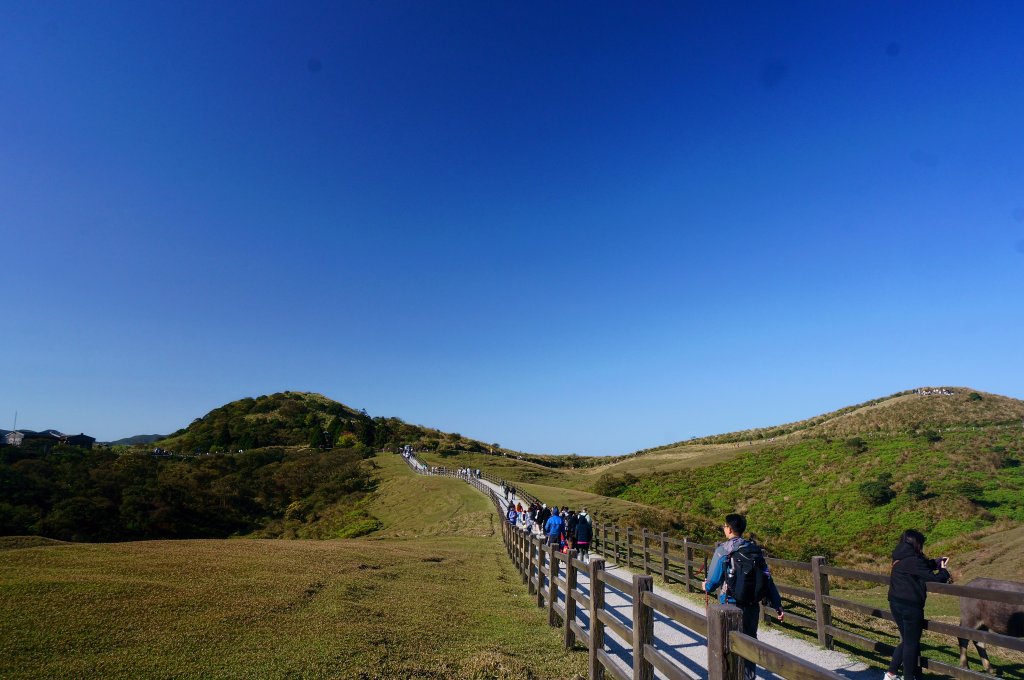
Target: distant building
18, 437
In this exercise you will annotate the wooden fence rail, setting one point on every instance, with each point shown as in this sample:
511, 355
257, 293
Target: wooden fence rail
673, 559
683, 561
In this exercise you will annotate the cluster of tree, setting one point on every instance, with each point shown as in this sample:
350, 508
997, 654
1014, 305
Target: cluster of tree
74, 494
304, 419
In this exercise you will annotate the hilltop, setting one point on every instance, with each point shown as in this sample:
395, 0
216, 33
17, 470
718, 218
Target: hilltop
304, 419
907, 411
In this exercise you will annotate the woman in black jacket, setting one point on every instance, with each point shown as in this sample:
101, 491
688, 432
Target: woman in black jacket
911, 570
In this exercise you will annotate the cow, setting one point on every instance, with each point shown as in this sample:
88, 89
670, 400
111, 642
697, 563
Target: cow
997, 617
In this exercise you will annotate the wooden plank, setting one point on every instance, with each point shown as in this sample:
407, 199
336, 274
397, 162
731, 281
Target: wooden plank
794, 591
865, 609
570, 603
666, 666
860, 641
777, 661
789, 564
581, 634
616, 582
985, 636
955, 671
855, 574
796, 619
559, 609
693, 620
992, 594
582, 599
606, 618
610, 666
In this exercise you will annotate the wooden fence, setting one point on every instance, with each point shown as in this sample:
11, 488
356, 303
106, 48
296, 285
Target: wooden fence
679, 560
551, 577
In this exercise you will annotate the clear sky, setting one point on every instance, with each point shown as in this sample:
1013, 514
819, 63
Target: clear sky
562, 227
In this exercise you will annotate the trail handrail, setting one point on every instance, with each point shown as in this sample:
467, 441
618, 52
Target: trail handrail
653, 554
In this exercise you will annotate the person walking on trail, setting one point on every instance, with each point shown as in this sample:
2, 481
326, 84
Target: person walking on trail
738, 567
911, 571
512, 515
553, 527
583, 535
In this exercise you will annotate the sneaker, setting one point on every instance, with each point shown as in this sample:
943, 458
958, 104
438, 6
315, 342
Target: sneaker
891, 676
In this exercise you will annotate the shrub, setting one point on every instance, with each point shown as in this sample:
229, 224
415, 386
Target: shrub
974, 396
917, 489
877, 492
856, 445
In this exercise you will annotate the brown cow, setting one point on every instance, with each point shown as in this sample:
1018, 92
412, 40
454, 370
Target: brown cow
997, 617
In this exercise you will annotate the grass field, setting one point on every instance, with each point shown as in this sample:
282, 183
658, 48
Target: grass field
438, 599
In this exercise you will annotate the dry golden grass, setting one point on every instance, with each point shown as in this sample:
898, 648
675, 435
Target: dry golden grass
448, 605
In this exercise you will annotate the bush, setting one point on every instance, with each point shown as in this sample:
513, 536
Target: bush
614, 485
974, 396
917, 489
877, 492
856, 445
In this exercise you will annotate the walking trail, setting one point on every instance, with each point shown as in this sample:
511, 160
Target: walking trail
688, 648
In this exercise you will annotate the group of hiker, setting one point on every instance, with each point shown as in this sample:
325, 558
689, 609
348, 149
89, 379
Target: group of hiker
561, 527
739, 572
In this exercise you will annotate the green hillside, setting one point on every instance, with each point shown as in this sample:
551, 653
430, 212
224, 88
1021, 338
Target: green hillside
304, 419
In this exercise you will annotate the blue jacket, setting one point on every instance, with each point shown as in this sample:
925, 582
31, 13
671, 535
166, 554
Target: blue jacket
553, 527
718, 571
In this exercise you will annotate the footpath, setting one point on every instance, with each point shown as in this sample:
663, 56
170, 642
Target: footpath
686, 647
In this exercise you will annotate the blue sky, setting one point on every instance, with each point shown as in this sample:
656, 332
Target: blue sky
563, 227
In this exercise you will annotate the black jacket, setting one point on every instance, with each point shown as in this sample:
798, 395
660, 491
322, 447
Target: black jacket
583, 533
910, 572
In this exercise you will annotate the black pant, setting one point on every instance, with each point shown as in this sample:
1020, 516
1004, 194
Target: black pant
751, 617
910, 620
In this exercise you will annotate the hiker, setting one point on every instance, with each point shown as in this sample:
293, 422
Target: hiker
512, 515
739, 568
911, 570
553, 527
583, 535
570, 529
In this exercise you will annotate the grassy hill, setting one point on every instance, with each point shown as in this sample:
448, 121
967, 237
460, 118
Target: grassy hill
360, 608
843, 484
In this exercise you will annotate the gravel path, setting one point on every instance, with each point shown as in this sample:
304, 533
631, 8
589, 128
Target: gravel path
689, 648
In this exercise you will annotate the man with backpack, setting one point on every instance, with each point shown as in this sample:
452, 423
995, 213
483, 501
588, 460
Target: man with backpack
739, 568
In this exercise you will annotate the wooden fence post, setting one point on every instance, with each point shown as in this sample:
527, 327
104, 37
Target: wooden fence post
643, 627
722, 620
822, 611
615, 528
534, 587
596, 627
664, 558
647, 553
570, 603
688, 556
552, 585
629, 547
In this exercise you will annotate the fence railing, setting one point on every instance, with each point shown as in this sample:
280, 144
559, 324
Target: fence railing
682, 561
679, 560
552, 579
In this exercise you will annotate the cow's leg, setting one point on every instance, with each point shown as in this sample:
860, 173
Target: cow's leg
963, 642
984, 656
